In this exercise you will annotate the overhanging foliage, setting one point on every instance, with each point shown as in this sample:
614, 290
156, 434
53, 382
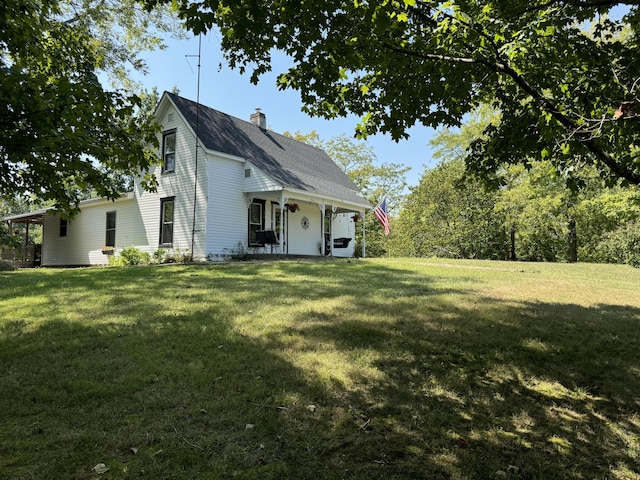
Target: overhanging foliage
564, 73
63, 133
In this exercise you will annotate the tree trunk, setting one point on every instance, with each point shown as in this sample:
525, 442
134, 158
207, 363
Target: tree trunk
573, 241
513, 244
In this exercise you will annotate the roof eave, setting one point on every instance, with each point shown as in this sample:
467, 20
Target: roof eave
328, 198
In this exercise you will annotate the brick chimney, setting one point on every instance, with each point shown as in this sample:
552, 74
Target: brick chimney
259, 119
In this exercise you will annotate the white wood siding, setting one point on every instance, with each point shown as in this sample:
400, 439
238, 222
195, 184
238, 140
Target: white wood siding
222, 195
258, 181
86, 234
301, 241
227, 207
179, 184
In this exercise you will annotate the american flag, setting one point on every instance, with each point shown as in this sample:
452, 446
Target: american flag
381, 214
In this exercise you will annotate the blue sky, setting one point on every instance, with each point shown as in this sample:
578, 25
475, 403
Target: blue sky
228, 91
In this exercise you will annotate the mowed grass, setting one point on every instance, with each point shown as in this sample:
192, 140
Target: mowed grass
369, 369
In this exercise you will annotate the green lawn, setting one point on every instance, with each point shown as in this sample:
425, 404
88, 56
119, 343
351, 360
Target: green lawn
370, 369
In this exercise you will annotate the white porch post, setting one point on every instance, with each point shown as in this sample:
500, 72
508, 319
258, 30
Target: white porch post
333, 212
282, 212
322, 210
364, 243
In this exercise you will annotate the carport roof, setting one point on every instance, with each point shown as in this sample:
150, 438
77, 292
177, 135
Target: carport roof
34, 218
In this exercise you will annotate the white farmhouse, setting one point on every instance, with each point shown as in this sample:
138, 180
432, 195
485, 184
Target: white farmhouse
224, 184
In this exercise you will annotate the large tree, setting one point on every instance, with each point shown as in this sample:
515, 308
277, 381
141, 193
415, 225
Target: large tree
63, 132
564, 73
450, 214
121, 32
532, 216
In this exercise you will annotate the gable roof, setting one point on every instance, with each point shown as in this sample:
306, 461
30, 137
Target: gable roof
292, 163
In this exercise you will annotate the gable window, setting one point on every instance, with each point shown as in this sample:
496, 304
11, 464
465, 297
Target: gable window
110, 238
169, 151
63, 227
256, 221
166, 221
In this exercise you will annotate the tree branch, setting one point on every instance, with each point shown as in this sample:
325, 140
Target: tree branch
597, 3
580, 4
587, 140
502, 67
428, 56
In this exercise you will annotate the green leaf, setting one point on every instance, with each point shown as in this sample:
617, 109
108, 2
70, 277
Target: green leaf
435, 67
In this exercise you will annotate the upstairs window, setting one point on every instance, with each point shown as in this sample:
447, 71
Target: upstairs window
169, 151
110, 239
166, 221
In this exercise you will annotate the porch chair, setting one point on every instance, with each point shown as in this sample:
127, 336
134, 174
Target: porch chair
267, 237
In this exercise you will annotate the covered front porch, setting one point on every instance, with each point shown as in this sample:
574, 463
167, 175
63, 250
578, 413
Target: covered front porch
289, 222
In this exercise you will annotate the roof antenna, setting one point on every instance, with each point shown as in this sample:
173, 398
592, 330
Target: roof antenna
195, 184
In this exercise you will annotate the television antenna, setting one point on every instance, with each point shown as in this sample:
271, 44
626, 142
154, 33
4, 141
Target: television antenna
195, 184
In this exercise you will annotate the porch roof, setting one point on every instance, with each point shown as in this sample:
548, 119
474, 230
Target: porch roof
35, 216
341, 205
32, 218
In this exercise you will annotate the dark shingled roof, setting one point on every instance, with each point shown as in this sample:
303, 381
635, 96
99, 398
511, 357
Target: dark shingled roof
292, 163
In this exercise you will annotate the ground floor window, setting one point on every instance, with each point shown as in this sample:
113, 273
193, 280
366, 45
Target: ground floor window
110, 240
63, 227
256, 221
166, 221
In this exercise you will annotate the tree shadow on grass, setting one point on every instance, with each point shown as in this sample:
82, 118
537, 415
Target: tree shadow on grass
165, 398
533, 390
163, 381
144, 370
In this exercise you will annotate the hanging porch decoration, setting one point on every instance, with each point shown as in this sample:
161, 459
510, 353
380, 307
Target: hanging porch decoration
292, 207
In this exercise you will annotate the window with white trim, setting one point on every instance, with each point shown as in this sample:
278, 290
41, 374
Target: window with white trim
256, 221
169, 151
166, 221
110, 237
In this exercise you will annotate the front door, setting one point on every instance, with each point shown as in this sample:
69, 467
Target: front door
276, 220
327, 233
